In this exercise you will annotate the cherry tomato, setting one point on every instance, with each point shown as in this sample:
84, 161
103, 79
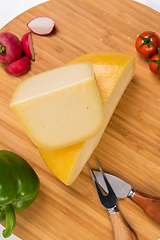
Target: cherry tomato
154, 63
147, 44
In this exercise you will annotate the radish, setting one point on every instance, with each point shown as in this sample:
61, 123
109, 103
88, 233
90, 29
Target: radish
18, 67
41, 25
27, 45
10, 47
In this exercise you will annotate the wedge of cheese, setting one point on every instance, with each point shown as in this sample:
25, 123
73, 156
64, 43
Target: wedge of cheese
113, 72
60, 107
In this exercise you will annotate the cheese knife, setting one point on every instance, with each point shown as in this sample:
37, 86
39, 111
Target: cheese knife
150, 204
121, 229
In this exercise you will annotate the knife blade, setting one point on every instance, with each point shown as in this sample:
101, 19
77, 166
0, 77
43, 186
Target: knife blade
150, 204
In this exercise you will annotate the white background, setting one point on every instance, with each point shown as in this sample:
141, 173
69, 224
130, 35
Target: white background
11, 8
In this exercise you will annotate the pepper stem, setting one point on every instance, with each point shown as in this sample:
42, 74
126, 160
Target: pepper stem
10, 220
2, 216
2, 48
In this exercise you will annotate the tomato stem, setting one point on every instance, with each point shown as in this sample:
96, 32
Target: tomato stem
147, 41
157, 61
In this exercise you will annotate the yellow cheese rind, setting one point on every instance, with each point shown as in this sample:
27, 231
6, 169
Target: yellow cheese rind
113, 72
61, 107
63, 160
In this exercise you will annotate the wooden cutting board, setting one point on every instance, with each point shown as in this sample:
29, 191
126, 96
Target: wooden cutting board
130, 146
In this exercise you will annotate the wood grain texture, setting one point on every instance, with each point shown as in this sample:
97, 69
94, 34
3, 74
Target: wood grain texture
130, 146
121, 229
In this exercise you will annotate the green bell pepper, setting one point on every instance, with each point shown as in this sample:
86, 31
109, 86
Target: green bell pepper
19, 187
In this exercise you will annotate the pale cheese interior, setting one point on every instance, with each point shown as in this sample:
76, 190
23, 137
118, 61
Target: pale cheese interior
61, 107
